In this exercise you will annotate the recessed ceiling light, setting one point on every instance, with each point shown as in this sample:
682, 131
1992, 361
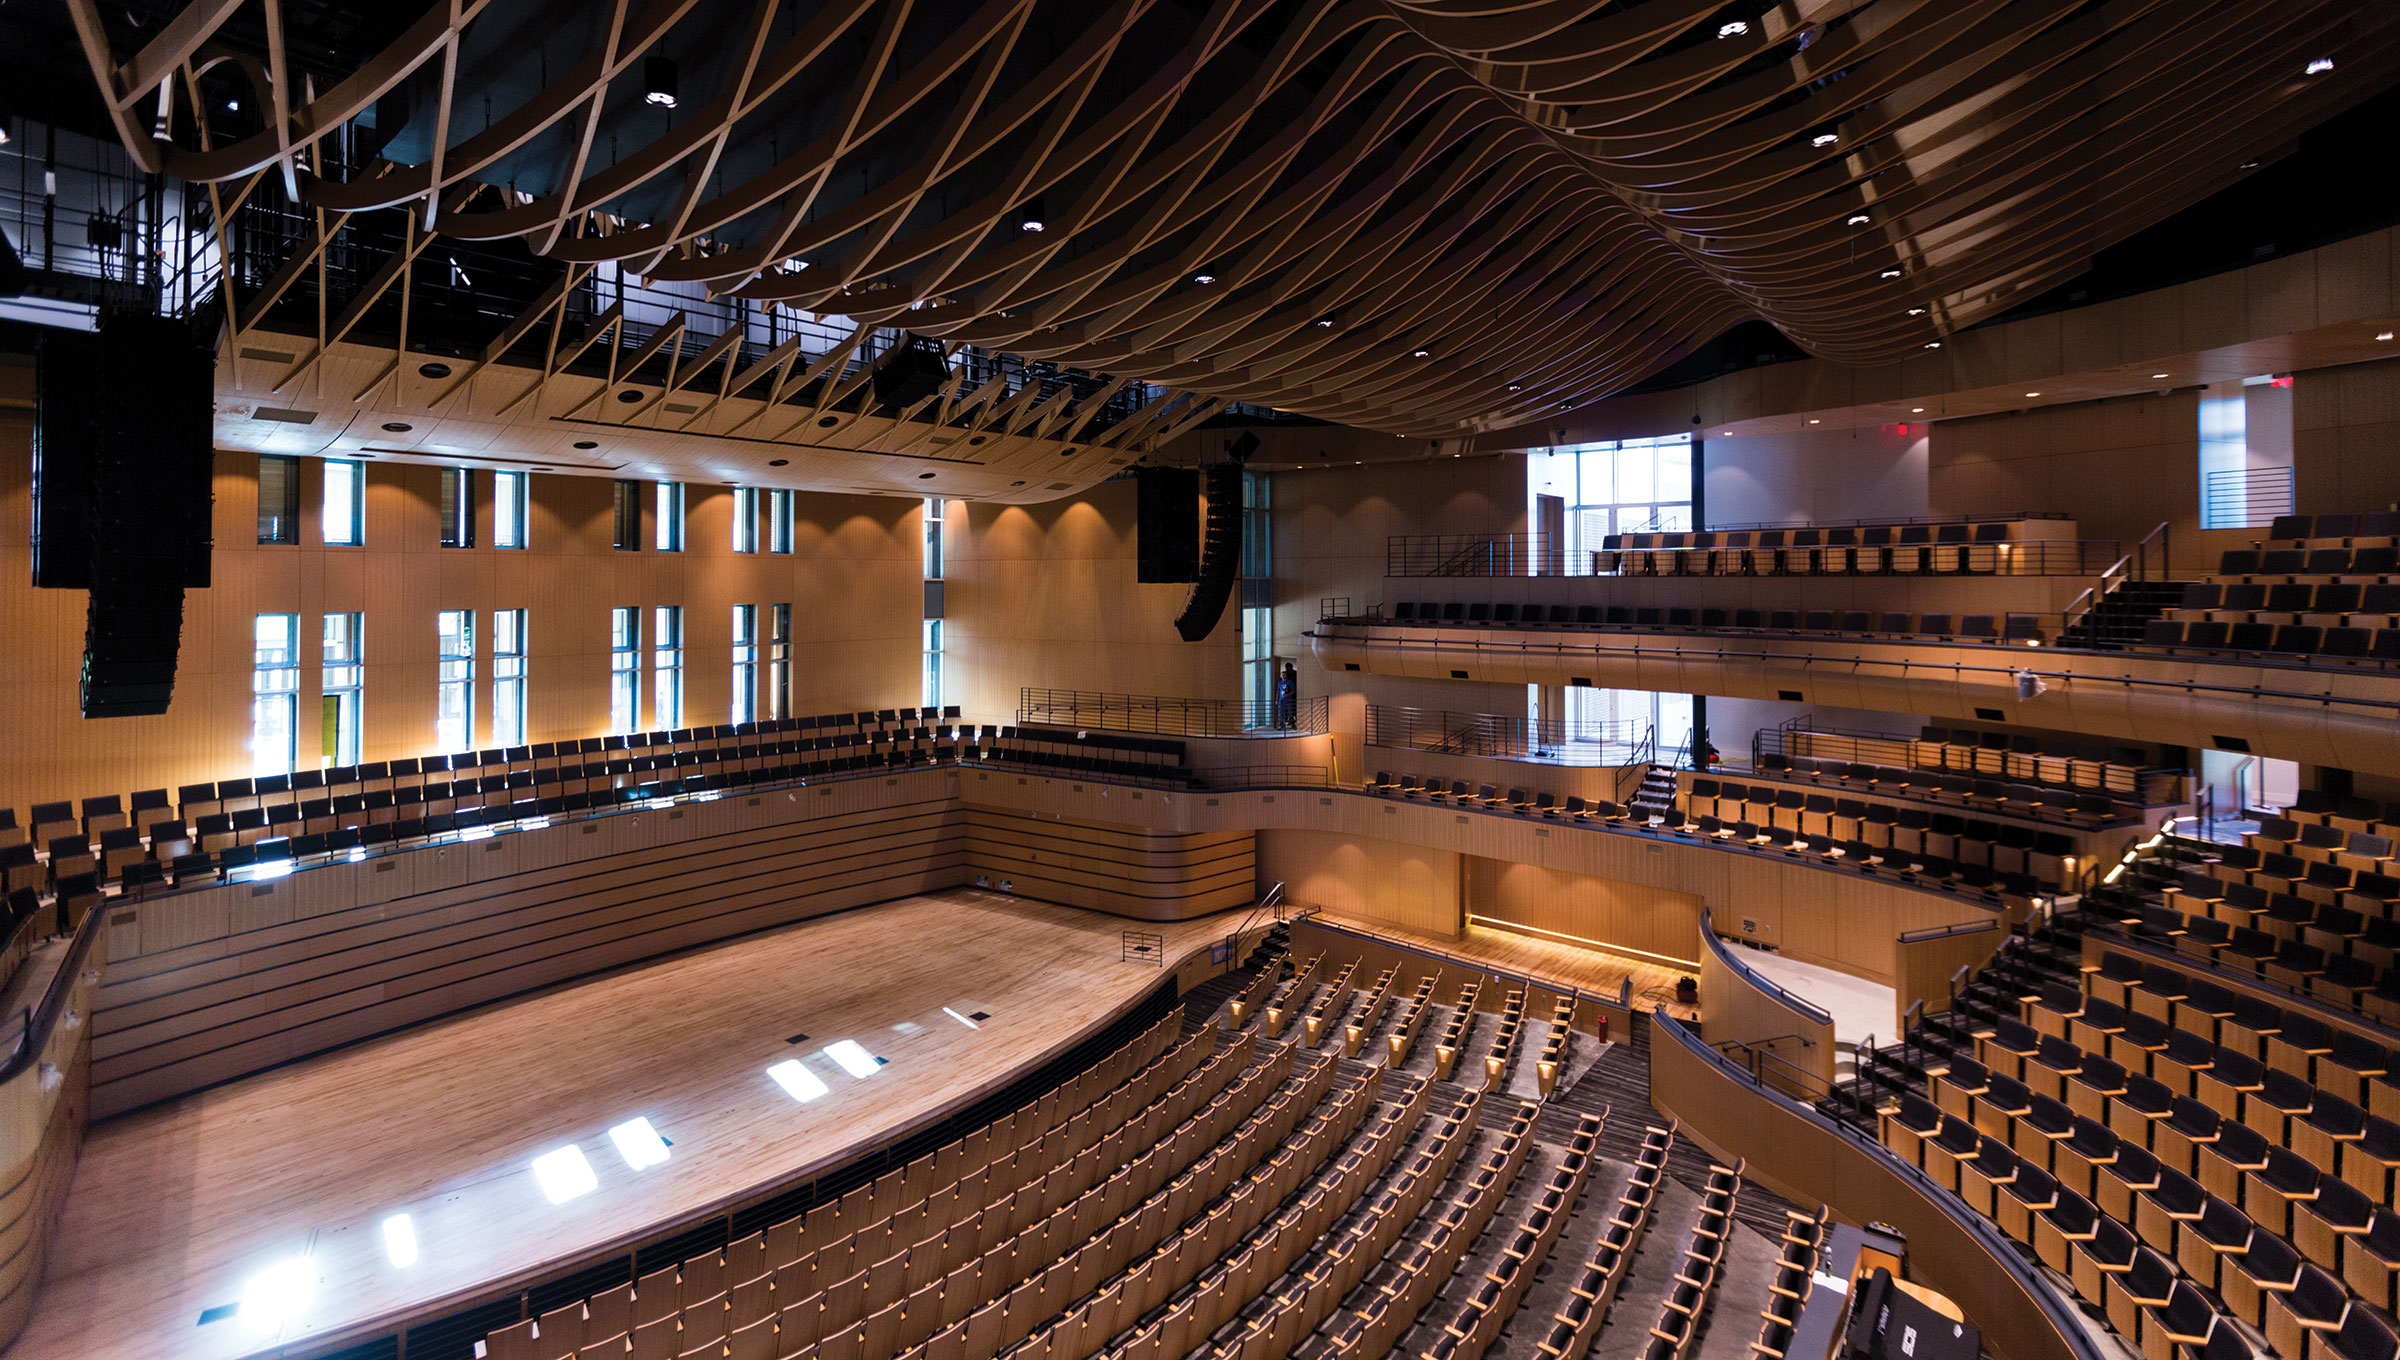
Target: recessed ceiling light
1823, 139
638, 1143
1204, 278
1033, 218
1916, 410
398, 426
587, 443
1814, 421
2248, 165
797, 1081
2033, 394
1859, 219
658, 82
400, 1240
1933, 344
1733, 30
1324, 320
276, 1294
2383, 335
564, 1174
2320, 66
2158, 375
1891, 273
1422, 354
434, 370
1916, 311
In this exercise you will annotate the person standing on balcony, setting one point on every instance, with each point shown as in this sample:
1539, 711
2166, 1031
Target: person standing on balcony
1287, 697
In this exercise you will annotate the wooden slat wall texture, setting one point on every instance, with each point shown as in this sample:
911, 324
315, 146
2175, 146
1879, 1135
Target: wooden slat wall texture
43, 1113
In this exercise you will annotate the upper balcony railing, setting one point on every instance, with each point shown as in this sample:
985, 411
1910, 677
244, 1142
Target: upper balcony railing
1709, 554
1507, 737
1160, 715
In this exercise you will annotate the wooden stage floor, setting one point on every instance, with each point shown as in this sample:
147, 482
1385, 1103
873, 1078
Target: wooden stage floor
1581, 966
175, 1208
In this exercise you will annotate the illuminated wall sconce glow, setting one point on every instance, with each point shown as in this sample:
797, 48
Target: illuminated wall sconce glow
277, 1294
797, 1081
564, 1174
854, 1060
638, 1143
400, 1240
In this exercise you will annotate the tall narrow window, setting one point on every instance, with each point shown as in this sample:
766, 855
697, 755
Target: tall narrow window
745, 663
745, 520
1259, 666
454, 692
274, 692
933, 538
508, 677
345, 503
666, 666
779, 661
932, 693
624, 669
508, 509
458, 508
779, 521
278, 499
344, 687
670, 517
629, 517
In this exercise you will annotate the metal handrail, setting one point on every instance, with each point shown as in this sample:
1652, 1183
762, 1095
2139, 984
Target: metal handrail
2155, 785
2387, 707
1266, 901
1637, 768
40, 1018
1164, 715
1807, 1009
1504, 736
1539, 555
2165, 535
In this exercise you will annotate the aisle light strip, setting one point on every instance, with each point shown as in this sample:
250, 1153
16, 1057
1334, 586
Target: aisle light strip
1497, 923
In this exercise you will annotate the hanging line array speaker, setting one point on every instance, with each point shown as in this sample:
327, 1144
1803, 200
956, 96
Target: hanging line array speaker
1220, 555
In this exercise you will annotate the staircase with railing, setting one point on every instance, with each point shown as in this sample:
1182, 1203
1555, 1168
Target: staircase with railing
2137, 588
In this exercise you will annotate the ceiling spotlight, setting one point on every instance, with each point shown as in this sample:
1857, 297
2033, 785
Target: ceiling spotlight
1933, 344
1514, 386
2383, 336
1916, 410
2033, 394
1033, 218
1891, 273
235, 105
1737, 28
1204, 278
1859, 219
1325, 321
1814, 421
2320, 66
2247, 165
658, 82
1824, 139
1916, 311
4, 137
1421, 354
2158, 375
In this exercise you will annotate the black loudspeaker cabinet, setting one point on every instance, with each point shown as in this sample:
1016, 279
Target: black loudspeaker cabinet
1220, 555
911, 372
126, 470
1167, 526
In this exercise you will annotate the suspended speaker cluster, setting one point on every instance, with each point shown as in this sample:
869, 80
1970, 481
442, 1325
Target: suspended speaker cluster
1220, 555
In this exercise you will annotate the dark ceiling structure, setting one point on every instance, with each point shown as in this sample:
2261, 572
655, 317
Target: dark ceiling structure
1426, 217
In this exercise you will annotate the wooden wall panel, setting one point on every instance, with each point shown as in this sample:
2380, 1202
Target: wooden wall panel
853, 581
1413, 887
1628, 918
2044, 459
1045, 595
1127, 871
208, 985
42, 1123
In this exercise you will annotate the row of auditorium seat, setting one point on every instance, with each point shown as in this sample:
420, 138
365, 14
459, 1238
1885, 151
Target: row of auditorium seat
1981, 857
1602, 1275
2046, 557
219, 844
1926, 627
2129, 775
2033, 802
1475, 1326
2334, 975
1801, 1249
2335, 528
1703, 1262
2043, 853
1836, 535
2287, 565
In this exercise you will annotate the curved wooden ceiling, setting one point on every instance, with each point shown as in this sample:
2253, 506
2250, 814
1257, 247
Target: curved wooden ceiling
1426, 217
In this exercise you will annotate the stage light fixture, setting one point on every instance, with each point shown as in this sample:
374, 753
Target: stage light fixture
658, 82
1033, 218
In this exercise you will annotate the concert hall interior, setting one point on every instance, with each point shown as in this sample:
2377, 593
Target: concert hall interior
1431, 679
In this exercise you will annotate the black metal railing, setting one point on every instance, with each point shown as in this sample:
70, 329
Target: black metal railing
1161, 715
2245, 497
1507, 736
35, 1022
1267, 777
